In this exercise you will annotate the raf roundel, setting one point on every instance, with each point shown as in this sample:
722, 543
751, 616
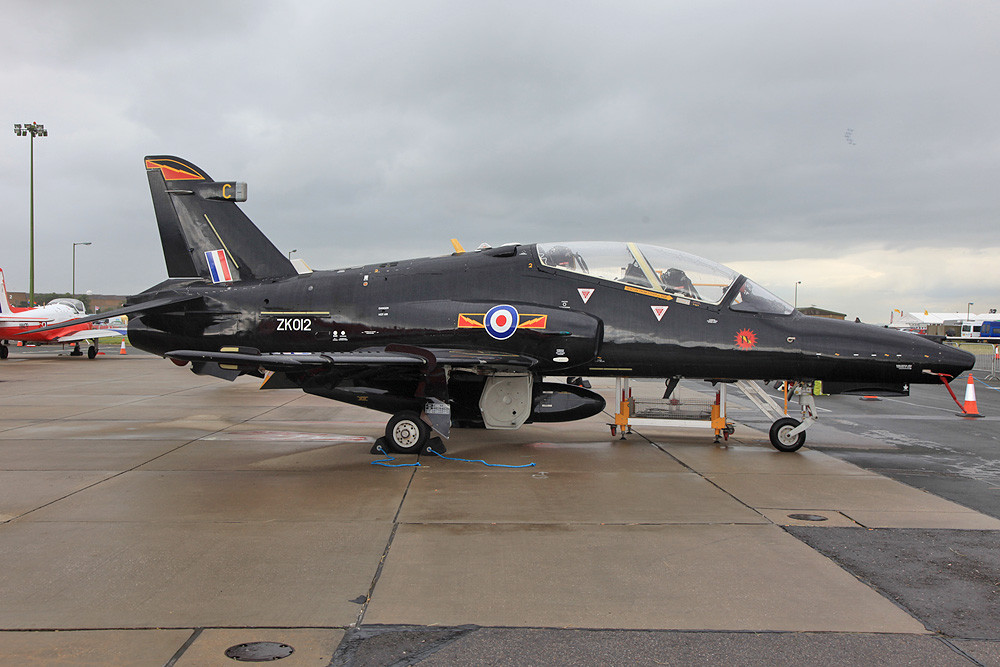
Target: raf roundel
501, 322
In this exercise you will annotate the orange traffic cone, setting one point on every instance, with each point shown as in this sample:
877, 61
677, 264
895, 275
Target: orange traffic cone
122, 351
19, 343
970, 409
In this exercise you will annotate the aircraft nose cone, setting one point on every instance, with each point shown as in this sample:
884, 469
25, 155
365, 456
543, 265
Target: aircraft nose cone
954, 361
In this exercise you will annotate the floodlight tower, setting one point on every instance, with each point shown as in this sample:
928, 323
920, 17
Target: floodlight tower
34, 130
75, 244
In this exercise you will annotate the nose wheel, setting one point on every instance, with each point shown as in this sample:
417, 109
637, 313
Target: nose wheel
782, 436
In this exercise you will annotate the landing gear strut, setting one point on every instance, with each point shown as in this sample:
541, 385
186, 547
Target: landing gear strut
787, 434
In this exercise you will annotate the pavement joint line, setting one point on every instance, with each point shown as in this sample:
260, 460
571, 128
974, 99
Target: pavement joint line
36, 422
147, 628
184, 647
752, 509
542, 524
106, 479
870, 584
685, 631
947, 642
385, 552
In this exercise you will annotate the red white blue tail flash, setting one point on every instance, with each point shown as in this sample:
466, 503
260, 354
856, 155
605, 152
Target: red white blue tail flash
501, 322
219, 266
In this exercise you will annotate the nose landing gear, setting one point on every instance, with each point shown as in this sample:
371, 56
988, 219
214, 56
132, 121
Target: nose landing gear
787, 434
783, 436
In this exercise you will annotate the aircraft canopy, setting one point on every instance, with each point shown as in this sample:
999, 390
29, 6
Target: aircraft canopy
75, 304
660, 269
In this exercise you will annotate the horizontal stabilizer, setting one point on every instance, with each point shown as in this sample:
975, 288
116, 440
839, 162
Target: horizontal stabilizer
144, 307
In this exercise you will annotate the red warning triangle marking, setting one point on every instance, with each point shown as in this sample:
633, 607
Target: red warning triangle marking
585, 293
659, 311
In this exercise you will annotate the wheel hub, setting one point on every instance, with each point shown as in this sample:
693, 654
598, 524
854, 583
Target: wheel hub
406, 434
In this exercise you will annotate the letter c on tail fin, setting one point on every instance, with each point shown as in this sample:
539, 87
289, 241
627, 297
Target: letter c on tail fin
202, 229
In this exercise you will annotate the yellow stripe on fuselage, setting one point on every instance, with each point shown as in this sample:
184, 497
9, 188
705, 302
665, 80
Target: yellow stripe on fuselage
646, 292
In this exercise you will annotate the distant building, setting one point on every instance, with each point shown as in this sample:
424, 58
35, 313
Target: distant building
937, 324
822, 312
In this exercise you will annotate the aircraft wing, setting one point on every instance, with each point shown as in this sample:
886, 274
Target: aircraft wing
90, 334
392, 355
145, 306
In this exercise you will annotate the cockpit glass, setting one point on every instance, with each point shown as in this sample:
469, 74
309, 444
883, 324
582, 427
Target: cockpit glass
752, 298
75, 304
650, 267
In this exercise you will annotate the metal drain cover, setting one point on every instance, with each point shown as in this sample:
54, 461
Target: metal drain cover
807, 517
259, 651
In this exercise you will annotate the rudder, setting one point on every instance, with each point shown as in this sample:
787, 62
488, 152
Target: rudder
202, 230
5, 308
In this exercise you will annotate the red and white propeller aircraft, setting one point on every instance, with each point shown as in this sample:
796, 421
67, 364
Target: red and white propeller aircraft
15, 321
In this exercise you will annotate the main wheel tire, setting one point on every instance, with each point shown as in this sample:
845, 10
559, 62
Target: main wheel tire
406, 432
91, 352
4, 352
781, 436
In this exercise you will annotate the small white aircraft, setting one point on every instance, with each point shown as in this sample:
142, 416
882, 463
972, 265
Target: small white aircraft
14, 322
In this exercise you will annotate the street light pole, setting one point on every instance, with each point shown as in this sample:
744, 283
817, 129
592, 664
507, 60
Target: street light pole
34, 130
75, 244
290, 254
968, 310
796, 304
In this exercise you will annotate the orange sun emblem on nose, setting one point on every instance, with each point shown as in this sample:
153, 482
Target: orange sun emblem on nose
746, 339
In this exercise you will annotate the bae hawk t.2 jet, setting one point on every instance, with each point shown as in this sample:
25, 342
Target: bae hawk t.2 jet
465, 340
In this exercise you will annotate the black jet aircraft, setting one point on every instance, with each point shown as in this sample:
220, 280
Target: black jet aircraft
467, 340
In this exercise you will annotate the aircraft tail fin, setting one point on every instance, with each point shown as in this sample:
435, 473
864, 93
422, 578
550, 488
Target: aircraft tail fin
5, 308
203, 231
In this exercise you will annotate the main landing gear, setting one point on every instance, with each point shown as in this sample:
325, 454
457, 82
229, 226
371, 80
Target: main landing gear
91, 351
407, 433
4, 352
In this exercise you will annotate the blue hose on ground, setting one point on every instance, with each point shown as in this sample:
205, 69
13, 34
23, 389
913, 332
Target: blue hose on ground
387, 462
491, 465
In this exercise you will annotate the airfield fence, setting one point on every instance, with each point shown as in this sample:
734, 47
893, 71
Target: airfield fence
986, 355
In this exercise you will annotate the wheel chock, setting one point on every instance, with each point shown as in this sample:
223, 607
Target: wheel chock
436, 444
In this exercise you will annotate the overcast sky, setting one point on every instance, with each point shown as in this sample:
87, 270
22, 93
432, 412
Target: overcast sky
852, 146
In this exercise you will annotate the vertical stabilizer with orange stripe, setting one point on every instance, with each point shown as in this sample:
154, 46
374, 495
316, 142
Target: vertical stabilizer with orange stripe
202, 229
